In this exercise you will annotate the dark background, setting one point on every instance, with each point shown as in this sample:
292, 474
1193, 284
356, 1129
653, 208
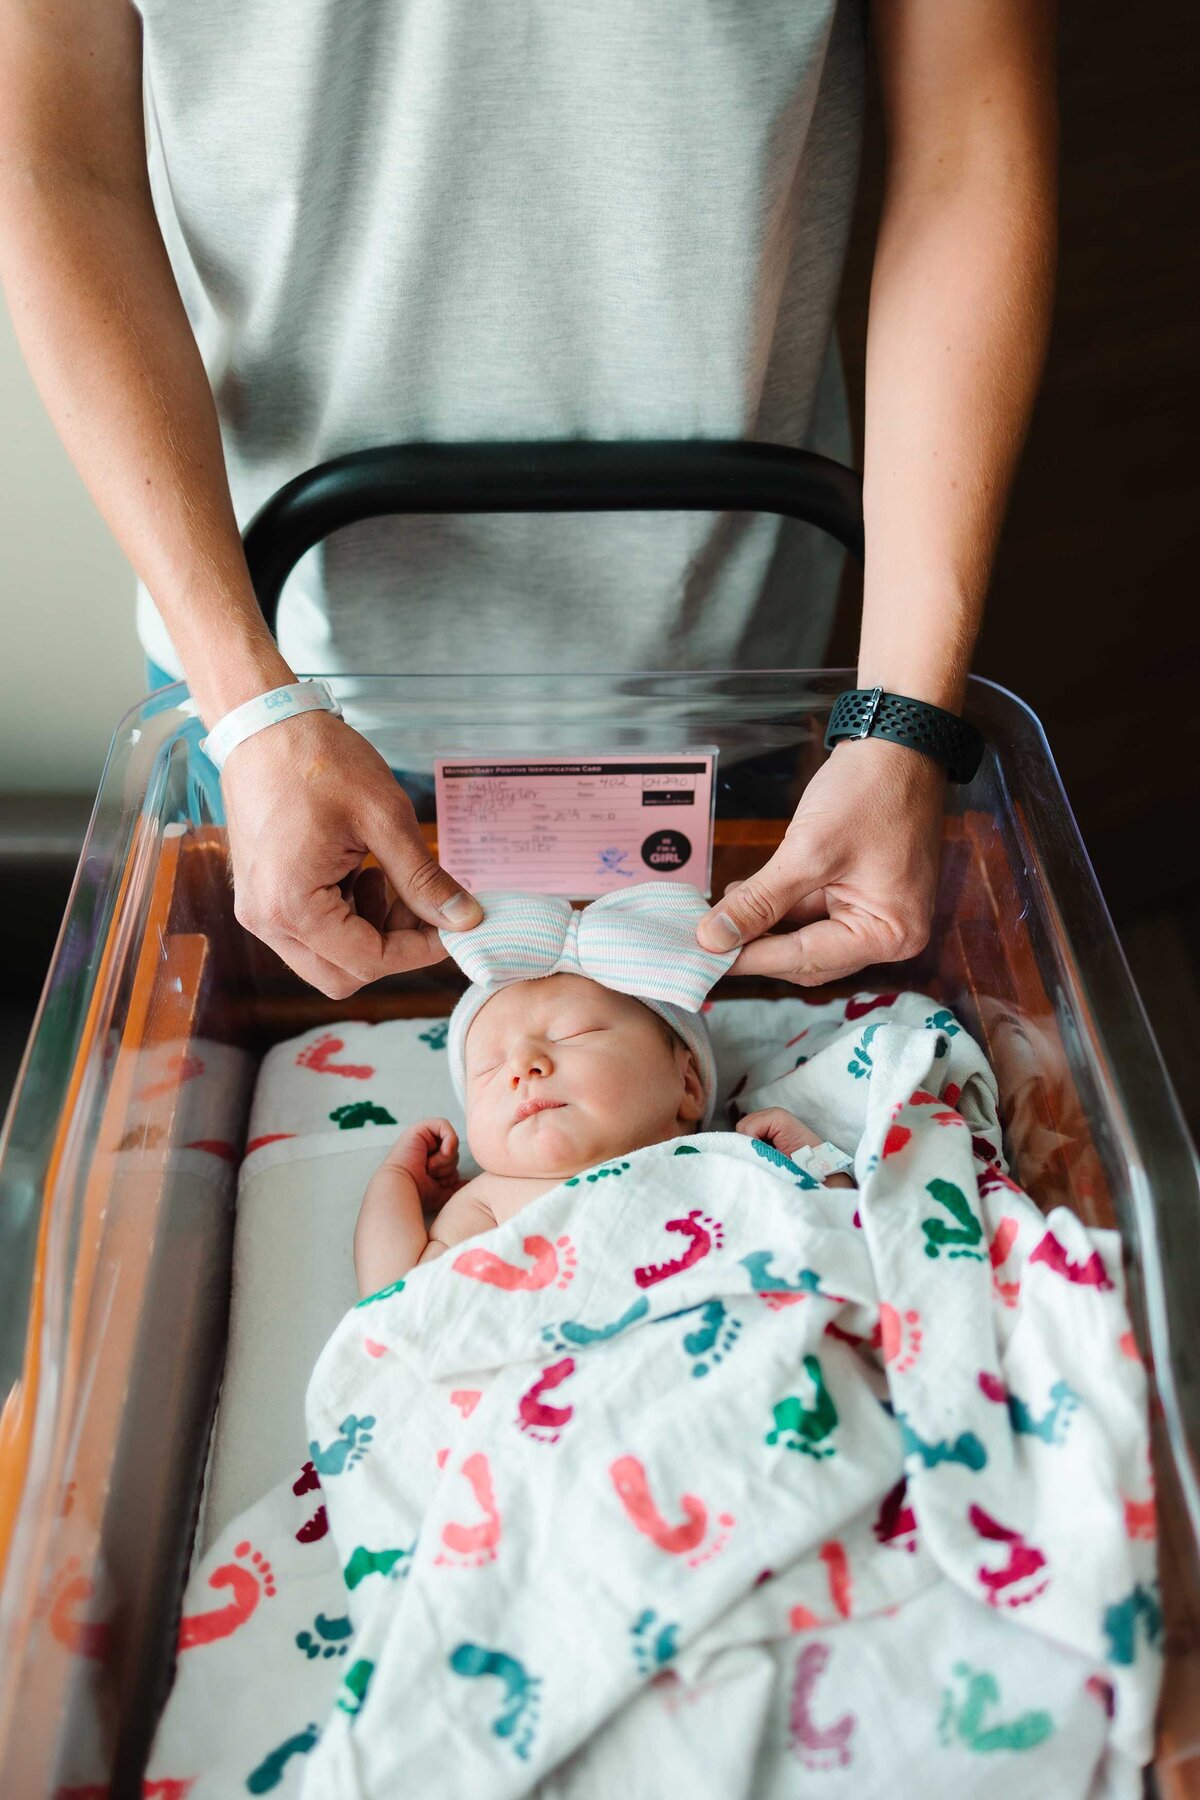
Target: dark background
1092, 615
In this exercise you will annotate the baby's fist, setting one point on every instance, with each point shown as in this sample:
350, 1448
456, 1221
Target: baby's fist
775, 1125
428, 1151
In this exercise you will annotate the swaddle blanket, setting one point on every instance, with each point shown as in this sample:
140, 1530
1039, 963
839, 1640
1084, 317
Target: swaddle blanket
698, 1478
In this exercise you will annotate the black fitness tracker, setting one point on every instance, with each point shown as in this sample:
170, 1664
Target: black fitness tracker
869, 712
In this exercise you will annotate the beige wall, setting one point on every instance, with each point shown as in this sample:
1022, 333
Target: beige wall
70, 660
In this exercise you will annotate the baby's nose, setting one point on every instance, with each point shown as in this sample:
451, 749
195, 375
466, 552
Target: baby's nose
530, 1062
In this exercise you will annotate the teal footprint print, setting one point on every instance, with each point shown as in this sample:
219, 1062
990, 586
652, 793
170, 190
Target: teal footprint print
965, 1448
860, 1064
269, 1773
384, 1293
436, 1036
360, 1112
571, 1335
332, 1637
764, 1281
1052, 1426
713, 1338
340, 1456
1121, 1623
779, 1161
597, 1174
943, 1021
517, 1718
962, 1716
654, 1641
688, 1150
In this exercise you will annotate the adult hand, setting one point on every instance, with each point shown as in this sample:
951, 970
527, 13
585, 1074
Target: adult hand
305, 802
856, 871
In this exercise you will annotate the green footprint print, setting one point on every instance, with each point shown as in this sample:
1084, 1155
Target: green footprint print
962, 1716
360, 1112
596, 1175
713, 1338
384, 1293
687, 1150
654, 1642
340, 1457
364, 1562
806, 1428
517, 1719
331, 1639
963, 1238
437, 1034
352, 1696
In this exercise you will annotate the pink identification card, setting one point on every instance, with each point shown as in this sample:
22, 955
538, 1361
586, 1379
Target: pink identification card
580, 826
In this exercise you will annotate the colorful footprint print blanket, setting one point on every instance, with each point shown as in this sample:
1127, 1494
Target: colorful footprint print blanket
697, 1478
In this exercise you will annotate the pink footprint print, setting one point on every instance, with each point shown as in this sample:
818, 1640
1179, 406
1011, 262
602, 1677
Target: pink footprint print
999, 1251
473, 1545
837, 1574
1017, 1581
247, 1585
551, 1263
633, 1491
704, 1234
900, 1337
466, 1400
319, 1056
1089, 1273
546, 1423
70, 1592
180, 1068
818, 1747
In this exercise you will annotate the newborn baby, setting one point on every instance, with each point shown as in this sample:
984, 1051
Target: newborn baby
557, 1073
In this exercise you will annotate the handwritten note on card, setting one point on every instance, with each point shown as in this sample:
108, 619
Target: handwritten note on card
578, 826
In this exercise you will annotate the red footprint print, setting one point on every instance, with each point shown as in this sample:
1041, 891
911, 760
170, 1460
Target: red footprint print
269, 1137
307, 1480
633, 1491
1089, 1273
485, 1265
167, 1787
837, 1568
179, 1069
858, 1009
897, 1137
703, 1233
473, 1545
247, 1586
999, 1251
1014, 1583
81, 1637
319, 1056
1141, 1519
896, 1522
546, 1423
314, 1529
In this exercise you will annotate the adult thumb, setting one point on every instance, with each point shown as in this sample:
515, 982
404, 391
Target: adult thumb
746, 912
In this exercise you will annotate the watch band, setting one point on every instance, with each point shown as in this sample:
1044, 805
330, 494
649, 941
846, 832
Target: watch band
869, 712
267, 709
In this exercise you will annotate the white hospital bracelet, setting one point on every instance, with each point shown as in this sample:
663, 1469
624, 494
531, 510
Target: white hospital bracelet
824, 1160
266, 709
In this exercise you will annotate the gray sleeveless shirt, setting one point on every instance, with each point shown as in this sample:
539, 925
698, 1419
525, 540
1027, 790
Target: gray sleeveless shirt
441, 219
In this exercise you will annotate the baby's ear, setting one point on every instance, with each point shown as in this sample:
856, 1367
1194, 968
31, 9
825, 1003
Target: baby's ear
692, 1105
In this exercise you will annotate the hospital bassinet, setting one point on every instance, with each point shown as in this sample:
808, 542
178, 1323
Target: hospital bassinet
116, 1205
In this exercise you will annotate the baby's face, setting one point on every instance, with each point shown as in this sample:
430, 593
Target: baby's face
598, 1064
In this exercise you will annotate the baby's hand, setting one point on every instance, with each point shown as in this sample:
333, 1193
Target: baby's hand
428, 1152
774, 1125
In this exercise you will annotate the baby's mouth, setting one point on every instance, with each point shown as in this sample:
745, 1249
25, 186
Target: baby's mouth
527, 1108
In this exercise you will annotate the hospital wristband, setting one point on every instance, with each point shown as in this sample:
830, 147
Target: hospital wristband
267, 709
823, 1160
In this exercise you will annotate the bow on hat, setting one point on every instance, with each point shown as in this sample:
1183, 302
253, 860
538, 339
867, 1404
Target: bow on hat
639, 940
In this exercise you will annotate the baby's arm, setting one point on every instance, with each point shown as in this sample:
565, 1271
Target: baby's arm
419, 1174
775, 1125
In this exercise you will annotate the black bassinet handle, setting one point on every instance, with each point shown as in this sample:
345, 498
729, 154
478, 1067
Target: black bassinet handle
574, 475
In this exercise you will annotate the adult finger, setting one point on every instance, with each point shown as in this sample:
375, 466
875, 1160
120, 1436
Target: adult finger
823, 951
328, 978
367, 893
761, 900
417, 877
328, 925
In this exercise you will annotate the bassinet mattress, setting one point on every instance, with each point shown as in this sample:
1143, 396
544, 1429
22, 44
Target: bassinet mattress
327, 1106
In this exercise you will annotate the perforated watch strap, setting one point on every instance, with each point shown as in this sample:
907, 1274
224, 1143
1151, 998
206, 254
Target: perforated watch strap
869, 712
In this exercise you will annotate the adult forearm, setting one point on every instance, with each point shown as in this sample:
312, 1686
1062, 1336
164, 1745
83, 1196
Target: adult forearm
959, 314
107, 340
